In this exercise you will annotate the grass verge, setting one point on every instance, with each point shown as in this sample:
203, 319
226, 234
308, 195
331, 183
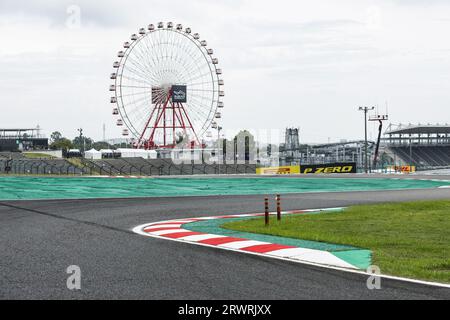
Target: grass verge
79, 163
36, 155
407, 239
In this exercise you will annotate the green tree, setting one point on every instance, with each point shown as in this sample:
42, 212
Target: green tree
81, 142
101, 145
124, 145
61, 144
55, 136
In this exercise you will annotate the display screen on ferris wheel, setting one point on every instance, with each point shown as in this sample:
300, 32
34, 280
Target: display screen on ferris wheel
167, 84
179, 94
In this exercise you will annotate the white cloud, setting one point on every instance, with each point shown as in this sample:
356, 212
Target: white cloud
285, 62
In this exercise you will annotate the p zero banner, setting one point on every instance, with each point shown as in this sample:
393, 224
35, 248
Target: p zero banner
349, 167
279, 170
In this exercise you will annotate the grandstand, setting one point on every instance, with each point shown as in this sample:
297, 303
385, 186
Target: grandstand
22, 140
423, 146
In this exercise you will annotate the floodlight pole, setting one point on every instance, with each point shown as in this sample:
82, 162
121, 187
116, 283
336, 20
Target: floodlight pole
366, 110
410, 155
82, 139
219, 128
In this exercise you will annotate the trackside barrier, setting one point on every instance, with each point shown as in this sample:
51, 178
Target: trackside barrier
341, 167
403, 169
266, 211
278, 198
279, 170
117, 167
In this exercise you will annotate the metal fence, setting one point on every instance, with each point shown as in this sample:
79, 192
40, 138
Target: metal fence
118, 167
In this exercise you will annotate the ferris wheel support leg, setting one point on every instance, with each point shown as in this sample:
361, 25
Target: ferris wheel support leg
140, 141
190, 124
174, 140
158, 118
181, 119
164, 127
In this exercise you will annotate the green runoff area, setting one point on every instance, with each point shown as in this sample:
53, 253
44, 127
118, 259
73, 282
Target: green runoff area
406, 239
38, 187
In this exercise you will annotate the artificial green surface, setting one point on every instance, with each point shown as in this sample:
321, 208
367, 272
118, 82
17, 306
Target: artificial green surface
15, 188
358, 257
406, 239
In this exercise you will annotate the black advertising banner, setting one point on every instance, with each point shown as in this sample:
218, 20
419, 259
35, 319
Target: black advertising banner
179, 94
344, 167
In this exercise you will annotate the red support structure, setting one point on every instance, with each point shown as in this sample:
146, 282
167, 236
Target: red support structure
179, 120
189, 120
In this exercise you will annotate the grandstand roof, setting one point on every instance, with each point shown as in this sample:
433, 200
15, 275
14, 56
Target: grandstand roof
13, 130
20, 133
343, 143
419, 129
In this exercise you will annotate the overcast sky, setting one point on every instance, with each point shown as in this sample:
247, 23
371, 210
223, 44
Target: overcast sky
286, 63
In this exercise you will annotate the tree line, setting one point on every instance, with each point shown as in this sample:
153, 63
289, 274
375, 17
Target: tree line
59, 142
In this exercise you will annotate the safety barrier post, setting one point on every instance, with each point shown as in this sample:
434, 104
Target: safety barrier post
266, 211
278, 207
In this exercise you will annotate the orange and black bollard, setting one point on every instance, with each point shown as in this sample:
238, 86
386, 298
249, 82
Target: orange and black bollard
278, 207
266, 211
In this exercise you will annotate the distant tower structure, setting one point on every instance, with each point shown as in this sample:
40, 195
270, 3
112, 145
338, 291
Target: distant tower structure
292, 141
290, 151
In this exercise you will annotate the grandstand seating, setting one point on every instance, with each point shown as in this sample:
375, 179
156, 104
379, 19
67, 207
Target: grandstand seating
424, 156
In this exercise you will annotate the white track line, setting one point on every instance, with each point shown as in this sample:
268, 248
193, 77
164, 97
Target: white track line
174, 225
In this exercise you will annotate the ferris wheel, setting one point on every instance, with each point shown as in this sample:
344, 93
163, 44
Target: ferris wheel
167, 88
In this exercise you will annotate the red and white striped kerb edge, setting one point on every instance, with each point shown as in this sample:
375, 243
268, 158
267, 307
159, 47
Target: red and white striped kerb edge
173, 230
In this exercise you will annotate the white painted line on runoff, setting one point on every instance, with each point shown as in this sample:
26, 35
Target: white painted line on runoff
201, 237
174, 225
289, 253
172, 222
242, 244
323, 257
164, 232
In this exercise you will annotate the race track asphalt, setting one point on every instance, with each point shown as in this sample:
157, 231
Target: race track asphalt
40, 239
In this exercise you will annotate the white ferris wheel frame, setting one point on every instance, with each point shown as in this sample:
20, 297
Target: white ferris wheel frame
192, 42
